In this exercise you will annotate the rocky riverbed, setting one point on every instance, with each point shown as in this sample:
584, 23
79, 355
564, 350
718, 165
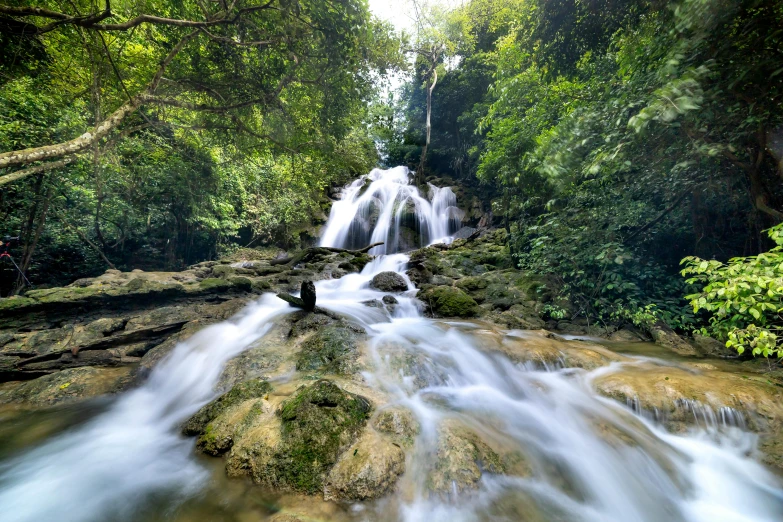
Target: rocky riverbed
297, 415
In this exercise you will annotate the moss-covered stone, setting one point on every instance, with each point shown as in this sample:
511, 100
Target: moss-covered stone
241, 283
449, 301
223, 271
251, 389
260, 285
213, 284
318, 423
360, 260
333, 349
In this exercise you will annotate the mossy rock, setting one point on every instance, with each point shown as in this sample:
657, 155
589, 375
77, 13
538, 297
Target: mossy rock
333, 349
471, 284
449, 301
213, 284
244, 391
242, 283
318, 423
260, 285
13, 303
360, 260
223, 271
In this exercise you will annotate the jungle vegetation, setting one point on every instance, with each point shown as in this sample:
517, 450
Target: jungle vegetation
614, 138
611, 138
153, 134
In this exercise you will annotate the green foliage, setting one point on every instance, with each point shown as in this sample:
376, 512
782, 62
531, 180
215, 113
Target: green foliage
744, 298
180, 181
614, 138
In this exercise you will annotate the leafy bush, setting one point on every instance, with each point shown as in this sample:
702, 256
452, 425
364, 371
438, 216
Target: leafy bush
745, 298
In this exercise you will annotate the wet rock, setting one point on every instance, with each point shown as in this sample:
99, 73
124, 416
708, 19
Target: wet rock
390, 299
399, 423
219, 435
308, 322
253, 389
366, 470
332, 349
296, 451
373, 303
461, 459
712, 347
449, 301
626, 335
66, 386
389, 282
671, 393
668, 338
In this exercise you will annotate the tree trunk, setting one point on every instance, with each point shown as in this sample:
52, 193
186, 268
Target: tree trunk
420, 170
32, 242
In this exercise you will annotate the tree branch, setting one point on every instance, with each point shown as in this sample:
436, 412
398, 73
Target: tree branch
20, 174
92, 21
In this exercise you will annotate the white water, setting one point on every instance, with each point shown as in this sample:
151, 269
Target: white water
131, 455
375, 208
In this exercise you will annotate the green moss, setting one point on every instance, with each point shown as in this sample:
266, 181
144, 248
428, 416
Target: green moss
319, 422
470, 284
360, 260
448, 301
223, 271
240, 282
208, 441
260, 285
213, 284
16, 303
332, 349
251, 389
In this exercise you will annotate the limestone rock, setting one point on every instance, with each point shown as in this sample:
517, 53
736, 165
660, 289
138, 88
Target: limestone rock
461, 459
673, 391
296, 450
399, 423
449, 301
65, 386
332, 349
367, 469
253, 389
389, 282
668, 338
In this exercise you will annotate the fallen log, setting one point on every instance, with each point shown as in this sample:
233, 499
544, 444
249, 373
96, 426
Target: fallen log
311, 252
359, 251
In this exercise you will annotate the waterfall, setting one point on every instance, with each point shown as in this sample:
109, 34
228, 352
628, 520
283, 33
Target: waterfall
588, 458
383, 206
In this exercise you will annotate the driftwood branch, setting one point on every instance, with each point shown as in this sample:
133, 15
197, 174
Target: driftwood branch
359, 251
313, 251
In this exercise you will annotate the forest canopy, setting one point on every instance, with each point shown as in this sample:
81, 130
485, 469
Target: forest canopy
611, 138
148, 134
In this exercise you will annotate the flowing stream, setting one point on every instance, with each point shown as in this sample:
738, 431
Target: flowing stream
586, 458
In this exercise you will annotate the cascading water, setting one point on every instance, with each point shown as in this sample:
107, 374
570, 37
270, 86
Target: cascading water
383, 206
569, 454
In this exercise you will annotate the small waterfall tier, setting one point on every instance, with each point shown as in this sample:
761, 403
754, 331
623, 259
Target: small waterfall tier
383, 206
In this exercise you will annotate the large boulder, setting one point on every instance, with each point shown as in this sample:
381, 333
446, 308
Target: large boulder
449, 301
295, 448
389, 282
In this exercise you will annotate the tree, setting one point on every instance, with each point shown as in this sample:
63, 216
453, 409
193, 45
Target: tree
244, 67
